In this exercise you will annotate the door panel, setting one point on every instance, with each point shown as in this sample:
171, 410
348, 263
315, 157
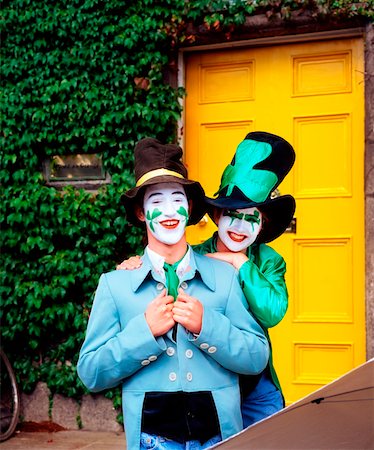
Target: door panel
311, 94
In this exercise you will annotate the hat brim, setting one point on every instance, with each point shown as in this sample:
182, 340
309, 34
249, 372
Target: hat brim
279, 212
194, 192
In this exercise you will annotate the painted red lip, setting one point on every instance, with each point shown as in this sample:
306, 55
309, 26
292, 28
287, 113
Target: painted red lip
236, 237
170, 224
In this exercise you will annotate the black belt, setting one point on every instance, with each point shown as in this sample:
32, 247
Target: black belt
180, 416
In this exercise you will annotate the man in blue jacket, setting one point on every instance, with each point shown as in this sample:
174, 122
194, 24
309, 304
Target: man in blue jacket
175, 332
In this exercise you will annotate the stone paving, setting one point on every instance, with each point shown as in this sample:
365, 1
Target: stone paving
66, 440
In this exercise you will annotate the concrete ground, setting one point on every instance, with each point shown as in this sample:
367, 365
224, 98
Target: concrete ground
65, 440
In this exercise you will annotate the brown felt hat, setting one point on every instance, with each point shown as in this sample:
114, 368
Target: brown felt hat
161, 163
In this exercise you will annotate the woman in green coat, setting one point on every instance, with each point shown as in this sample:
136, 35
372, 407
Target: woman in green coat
248, 217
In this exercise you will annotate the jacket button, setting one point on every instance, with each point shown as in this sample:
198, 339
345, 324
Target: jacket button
212, 349
145, 362
189, 353
170, 351
189, 376
160, 286
152, 358
172, 376
204, 345
184, 285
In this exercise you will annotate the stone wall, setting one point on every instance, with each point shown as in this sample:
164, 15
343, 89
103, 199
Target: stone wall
369, 186
94, 412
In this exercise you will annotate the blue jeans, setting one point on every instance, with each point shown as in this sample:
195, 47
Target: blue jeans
262, 402
153, 442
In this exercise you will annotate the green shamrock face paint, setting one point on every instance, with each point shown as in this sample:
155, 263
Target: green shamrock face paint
166, 211
151, 216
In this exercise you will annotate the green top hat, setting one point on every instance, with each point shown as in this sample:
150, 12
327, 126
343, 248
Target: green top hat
259, 165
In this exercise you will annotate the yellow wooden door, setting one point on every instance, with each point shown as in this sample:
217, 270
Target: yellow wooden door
312, 94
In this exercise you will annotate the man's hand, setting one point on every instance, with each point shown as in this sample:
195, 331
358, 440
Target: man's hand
158, 314
236, 259
188, 311
130, 264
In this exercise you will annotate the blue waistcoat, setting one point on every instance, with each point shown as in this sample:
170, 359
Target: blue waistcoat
120, 348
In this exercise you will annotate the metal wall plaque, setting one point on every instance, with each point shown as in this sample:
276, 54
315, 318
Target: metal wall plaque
76, 167
79, 170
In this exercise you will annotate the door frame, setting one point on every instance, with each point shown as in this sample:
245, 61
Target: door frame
367, 34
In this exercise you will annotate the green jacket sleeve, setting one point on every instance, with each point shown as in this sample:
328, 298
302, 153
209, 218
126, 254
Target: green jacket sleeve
263, 284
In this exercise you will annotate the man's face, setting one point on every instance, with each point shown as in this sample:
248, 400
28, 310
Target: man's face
239, 228
166, 211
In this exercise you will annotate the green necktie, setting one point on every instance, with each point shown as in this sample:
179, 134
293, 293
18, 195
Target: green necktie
172, 280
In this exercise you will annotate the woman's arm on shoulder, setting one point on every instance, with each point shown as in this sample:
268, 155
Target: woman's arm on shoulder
134, 262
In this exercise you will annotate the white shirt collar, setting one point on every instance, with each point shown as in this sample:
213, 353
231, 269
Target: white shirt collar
158, 262
184, 265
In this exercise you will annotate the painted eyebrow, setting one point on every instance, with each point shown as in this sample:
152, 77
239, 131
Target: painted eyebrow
155, 194
161, 193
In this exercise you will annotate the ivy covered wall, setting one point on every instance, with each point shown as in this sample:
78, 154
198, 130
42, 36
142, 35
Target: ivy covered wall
87, 76
78, 77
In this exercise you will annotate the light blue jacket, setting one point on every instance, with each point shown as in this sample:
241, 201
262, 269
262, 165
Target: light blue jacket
120, 348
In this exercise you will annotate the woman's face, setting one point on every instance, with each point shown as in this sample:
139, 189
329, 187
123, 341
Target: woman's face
239, 228
166, 211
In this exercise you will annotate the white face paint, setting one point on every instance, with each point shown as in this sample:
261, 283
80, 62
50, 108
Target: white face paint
166, 211
239, 228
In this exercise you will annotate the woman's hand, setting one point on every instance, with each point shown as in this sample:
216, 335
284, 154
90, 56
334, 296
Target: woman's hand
236, 259
130, 264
